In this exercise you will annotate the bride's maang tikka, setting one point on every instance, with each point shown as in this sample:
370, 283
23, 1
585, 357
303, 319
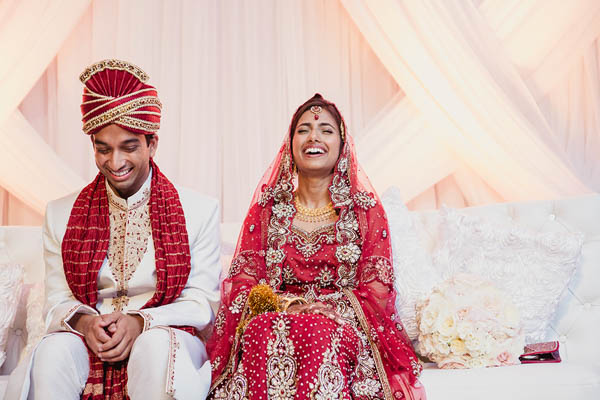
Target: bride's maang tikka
316, 110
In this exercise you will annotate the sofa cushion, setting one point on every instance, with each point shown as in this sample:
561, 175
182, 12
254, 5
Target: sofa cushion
35, 319
413, 271
533, 267
3, 385
571, 381
11, 283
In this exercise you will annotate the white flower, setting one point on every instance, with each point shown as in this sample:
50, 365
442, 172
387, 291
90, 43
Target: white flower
479, 343
348, 253
452, 362
446, 325
467, 323
477, 362
442, 346
428, 318
458, 347
512, 316
464, 329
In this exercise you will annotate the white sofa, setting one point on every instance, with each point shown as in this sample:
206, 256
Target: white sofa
576, 325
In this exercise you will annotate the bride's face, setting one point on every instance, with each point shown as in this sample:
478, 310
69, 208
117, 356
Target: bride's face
316, 144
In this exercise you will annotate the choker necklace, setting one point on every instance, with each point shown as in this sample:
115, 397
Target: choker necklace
313, 215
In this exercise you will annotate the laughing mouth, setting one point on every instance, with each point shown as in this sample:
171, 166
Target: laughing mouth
314, 150
120, 173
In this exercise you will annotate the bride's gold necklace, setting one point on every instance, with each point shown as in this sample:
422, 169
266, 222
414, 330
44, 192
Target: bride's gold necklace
313, 215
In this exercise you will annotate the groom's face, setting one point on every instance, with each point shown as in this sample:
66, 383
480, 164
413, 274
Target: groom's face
123, 158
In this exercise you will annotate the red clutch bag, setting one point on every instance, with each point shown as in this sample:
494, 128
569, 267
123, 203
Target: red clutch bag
540, 353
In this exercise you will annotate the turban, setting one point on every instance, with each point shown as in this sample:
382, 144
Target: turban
115, 92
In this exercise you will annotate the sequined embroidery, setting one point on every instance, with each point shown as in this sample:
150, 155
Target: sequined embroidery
113, 64
279, 224
118, 112
220, 320
289, 277
235, 389
309, 243
130, 229
377, 268
329, 382
238, 304
245, 262
364, 200
281, 365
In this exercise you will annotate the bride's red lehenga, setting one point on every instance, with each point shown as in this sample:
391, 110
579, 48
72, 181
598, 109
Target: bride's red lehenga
346, 265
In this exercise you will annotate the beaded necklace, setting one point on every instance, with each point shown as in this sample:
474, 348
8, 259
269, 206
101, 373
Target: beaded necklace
313, 215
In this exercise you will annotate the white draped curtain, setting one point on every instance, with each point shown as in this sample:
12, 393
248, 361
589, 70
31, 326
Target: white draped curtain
457, 102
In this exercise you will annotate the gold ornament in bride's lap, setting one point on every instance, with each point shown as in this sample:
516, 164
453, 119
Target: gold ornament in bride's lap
263, 299
314, 215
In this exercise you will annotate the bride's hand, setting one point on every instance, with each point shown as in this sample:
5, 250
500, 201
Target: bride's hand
315, 308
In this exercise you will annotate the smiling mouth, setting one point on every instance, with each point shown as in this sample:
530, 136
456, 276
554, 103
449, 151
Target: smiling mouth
121, 173
313, 151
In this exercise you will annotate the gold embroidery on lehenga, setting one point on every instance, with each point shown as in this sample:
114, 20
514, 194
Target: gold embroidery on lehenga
366, 382
220, 320
329, 384
310, 293
325, 277
237, 306
235, 389
387, 391
346, 276
289, 277
229, 367
366, 387
281, 365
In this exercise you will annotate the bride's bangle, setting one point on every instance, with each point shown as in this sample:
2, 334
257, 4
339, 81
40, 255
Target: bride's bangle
286, 301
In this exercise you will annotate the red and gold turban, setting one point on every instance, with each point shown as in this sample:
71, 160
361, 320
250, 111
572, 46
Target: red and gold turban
115, 92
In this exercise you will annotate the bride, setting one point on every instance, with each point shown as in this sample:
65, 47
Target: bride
307, 309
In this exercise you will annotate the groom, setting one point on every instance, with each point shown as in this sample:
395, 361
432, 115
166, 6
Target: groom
132, 262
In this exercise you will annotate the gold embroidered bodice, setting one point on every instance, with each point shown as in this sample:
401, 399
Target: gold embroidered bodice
309, 243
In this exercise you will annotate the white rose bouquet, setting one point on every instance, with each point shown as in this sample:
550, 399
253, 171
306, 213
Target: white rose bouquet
467, 323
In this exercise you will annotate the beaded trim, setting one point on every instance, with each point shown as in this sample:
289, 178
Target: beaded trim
113, 64
360, 315
87, 92
151, 127
115, 113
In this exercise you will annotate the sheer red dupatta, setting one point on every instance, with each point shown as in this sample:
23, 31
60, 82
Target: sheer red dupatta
363, 253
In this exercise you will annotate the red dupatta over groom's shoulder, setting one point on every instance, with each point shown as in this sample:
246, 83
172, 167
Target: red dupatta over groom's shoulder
84, 249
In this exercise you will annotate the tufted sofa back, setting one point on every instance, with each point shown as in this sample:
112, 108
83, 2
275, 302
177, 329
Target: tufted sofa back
22, 245
577, 320
576, 323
